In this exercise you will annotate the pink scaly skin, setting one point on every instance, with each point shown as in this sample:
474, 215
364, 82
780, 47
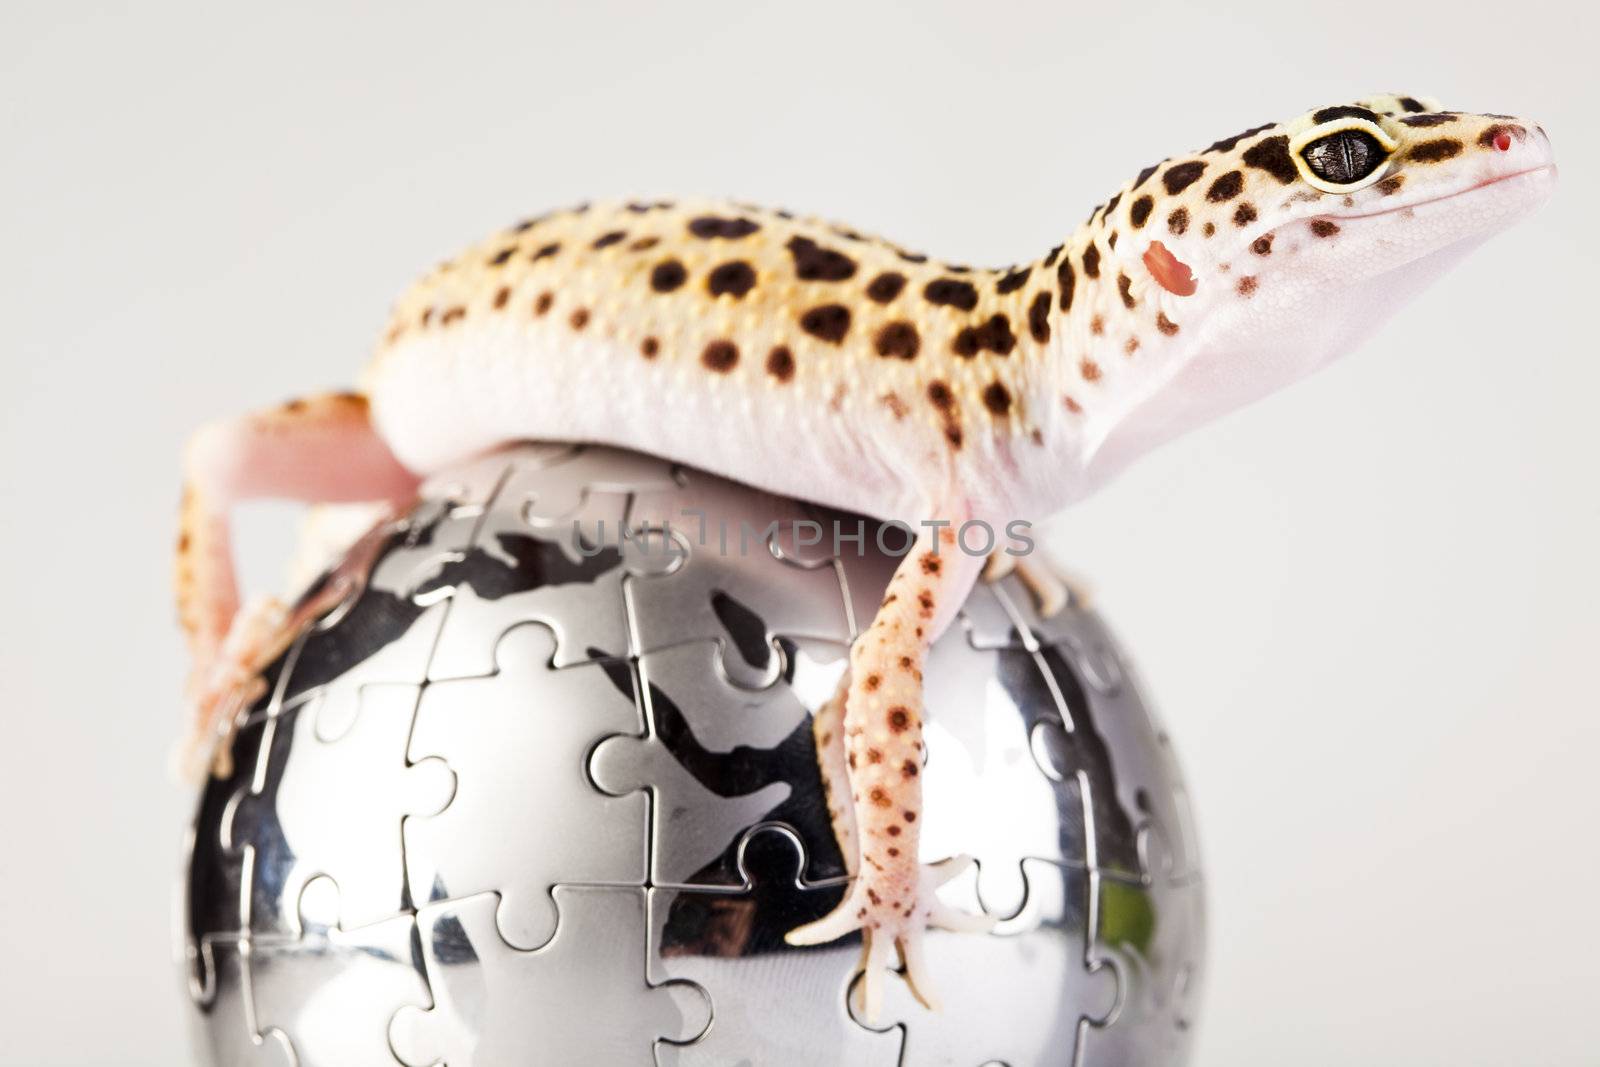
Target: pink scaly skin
809, 360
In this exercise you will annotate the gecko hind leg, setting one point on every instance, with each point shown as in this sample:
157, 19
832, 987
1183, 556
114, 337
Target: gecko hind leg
322, 449
1052, 587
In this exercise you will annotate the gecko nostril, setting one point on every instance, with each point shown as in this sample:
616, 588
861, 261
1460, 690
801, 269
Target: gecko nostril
1502, 141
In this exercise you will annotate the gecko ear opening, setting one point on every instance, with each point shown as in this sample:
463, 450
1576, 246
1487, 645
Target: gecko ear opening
1170, 272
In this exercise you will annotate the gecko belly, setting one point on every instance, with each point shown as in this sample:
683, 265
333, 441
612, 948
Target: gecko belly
445, 397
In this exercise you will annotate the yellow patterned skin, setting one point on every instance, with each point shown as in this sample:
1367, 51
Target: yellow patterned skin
811, 360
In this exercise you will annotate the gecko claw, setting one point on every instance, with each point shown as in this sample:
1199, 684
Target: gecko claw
890, 932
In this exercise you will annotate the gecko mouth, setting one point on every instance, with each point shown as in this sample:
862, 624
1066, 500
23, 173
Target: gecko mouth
1544, 168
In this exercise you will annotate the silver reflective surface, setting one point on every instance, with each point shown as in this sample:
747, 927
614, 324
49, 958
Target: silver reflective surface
527, 797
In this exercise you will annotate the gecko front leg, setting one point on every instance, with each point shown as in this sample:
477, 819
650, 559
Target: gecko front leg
893, 898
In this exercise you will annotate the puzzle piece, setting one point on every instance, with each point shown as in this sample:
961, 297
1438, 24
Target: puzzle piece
519, 742
214, 887
530, 563
1025, 994
719, 760
773, 1004
999, 615
494, 1005
333, 990
726, 581
983, 794
224, 1030
1155, 937
1139, 814
324, 804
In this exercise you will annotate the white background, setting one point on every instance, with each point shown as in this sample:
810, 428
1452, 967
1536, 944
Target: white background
1367, 607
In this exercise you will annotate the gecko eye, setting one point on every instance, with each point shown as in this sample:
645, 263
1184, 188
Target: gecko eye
1341, 156
1344, 158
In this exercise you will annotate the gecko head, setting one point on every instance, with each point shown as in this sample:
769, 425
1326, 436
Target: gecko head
1255, 261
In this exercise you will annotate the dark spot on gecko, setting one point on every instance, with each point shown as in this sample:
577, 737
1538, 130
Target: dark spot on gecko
1111, 240
734, 279
667, 276
1039, 317
1262, 246
896, 406
1089, 369
544, 302
1435, 151
1065, 279
994, 335
911, 257
500, 257
1091, 261
1178, 222
880, 797
452, 314
1391, 185
910, 816
951, 292
502, 295
708, 227
899, 719
827, 322
1323, 228
871, 682
1423, 121
1130, 346
997, 398
545, 251
898, 340
1050, 257
1179, 178
940, 396
1226, 187
893, 831
1247, 285
814, 263
1271, 154
1343, 111
886, 286
780, 363
1166, 325
1139, 211
720, 356
579, 318
606, 240
1411, 104
1144, 175
1227, 144
643, 243
1125, 290
1013, 280
1208, 229
1244, 214
909, 769
649, 347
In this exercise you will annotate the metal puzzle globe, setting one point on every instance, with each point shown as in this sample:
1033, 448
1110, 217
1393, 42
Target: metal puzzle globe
539, 793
